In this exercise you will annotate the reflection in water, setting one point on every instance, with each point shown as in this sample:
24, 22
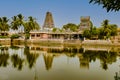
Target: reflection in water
17, 61
84, 62
117, 76
30, 55
104, 56
4, 56
48, 59
85, 57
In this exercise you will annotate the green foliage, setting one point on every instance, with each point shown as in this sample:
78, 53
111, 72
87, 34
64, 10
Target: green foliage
87, 33
27, 35
90, 33
29, 25
104, 32
57, 30
113, 28
95, 31
71, 27
4, 36
109, 5
54, 30
15, 36
107, 29
4, 26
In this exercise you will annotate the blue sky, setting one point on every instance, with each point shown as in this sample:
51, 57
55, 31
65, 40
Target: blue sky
64, 11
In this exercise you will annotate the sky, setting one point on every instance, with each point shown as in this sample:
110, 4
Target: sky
63, 11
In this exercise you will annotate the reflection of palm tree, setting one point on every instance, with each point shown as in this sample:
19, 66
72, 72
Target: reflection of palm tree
4, 56
31, 57
104, 66
48, 59
17, 61
107, 58
36, 76
4, 59
4, 50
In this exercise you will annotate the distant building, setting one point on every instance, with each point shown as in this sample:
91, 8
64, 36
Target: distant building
48, 23
85, 23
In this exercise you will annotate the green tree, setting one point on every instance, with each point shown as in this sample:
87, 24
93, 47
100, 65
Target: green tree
109, 5
4, 26
54, 30
15, 23
95, 31
87, 33
30, 25
113, 28
71, 27
107, 30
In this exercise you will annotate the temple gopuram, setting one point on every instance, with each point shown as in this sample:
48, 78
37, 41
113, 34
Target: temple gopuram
48, 23
85, 23
47, 30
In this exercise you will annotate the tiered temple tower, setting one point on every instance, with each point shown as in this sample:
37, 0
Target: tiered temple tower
85, 23
48, 23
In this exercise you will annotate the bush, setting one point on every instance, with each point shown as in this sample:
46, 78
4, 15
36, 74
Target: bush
4, 37
15, 36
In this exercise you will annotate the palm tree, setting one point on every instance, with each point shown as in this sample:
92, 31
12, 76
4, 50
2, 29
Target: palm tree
105, 23
20, 19
4, 26
14, 23
106, 28
30, 25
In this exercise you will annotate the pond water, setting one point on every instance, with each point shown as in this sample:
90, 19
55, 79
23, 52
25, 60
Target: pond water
59, 63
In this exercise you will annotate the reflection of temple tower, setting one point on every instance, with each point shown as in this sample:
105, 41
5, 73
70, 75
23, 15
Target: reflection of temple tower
48, 59
48, 23
84, 62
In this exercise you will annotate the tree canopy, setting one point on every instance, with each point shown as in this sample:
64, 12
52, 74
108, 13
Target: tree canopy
104, 32
71, 27
109, 5
4, 26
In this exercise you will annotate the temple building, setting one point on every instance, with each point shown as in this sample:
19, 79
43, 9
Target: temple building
47, 32
48, 23
85, 23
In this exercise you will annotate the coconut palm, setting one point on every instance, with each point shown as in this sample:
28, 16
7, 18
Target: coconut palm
30, 25
20, 19
4, 26
106, 29
14, 23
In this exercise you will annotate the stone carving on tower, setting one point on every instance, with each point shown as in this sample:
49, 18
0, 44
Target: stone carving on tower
48, 23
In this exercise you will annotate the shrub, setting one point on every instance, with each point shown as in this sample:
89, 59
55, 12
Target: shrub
15, 36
